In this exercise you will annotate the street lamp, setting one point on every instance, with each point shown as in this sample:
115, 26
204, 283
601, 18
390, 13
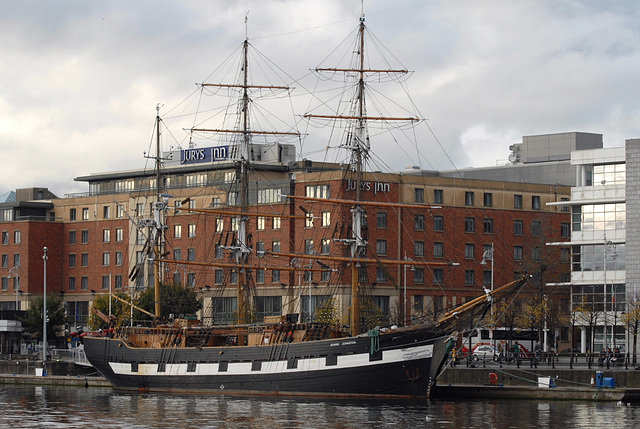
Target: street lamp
44, 311
608, 246
488, 255
16, 275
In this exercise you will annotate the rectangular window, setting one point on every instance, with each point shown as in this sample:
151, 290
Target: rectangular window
275, 276
418, 249
119, 259
219, 224
140, 237
119, 234
259, 248
325, 276
177, 231
120, 211
469, 224
438, 223
275, 246
72, 237
118, 281
325, 248
381, 247
438, 276
106, 259
518, 227
177, 254
16, 237
488, 199
5, 237
326, 219
72, 214
260, 275
536, 254
72, 260
469, 250
191, 279
517, 253
72, 283
419, 222
5, 283
219, 277
381, 220
192, 230
308, 246
317, 191
381, 274
517, 201
219, 251
468, 198
85, 213
5, 261
191, 254
16, 259
488, 225
106, 212
308, 220
418, 275
85, 236
84, 259
106, 235
105, 282
262, 221
469, 277
486, 278
438, 196
419, 195
277, 222
535, 202
438, 250
565, 230
536, 228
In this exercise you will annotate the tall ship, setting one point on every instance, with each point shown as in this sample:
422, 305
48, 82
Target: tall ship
292, 353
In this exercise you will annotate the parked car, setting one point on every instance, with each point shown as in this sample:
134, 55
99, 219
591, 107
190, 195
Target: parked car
485, 351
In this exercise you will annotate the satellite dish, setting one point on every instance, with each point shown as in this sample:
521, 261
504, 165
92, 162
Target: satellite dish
512, 158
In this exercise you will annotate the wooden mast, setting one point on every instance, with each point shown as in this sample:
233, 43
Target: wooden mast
158, 226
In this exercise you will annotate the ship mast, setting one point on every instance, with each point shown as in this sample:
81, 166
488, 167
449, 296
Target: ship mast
359, 145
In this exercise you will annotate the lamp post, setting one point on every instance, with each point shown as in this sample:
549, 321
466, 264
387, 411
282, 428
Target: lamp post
16, 275
608, 246
488, 255
44, 310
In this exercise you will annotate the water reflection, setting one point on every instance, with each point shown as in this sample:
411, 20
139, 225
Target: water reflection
58, 407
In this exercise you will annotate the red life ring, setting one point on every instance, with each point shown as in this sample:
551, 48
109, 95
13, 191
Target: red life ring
493, 378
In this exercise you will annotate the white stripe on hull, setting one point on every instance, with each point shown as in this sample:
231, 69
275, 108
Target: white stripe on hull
276, 367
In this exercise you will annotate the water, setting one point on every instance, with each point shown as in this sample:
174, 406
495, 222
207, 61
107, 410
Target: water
76, 407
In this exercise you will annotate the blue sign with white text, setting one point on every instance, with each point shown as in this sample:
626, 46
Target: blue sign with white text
205, 154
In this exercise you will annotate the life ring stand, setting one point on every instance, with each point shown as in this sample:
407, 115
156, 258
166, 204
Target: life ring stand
493, 378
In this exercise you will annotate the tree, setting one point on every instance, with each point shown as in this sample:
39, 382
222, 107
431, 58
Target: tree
631, 319
32, 322
174, 299
119, 309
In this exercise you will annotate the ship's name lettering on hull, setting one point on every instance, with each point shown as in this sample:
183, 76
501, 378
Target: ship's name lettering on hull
368, 186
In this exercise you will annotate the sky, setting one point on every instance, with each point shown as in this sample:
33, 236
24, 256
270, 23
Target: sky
80, 80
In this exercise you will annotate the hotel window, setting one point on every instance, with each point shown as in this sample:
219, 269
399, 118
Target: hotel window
438, 223
469, 250
106, 259
191, 279
72, 283
105, 282
72, 237
381, 220
191, 254
106, 235
260, 275
120, 211
518, 227
438, 250
565, 230
535, 202
317, 191
381, 247
419, 195
192, 230
5, 261
517, 253
536, 228
216, 202
85, 213
469, 224
84, 259
381, 274
469, 277
418, 275
261, 223
229, 177
486, 278
325, 276
565, 254
119, 234
488, 225
119, 259
308, 246
106, 212
536, 254
418, 249
140, 209
438, 196
419, 222
177, 254
85, 236
277, 222
517, 201
118, 281
219, 277
235, 223
5, 237
219, 224
468, 198
259, 248
16, 237
275, 246
308, 221
219, 251
72, 260
16, 259
72, 214
488, 199
275, 276
326, 219
564, 208
140, 237
325, 246
438, 276
5, 283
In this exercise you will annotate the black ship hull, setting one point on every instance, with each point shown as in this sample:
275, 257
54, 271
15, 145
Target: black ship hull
399, 363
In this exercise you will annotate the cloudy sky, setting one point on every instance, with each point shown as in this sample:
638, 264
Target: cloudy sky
80, 80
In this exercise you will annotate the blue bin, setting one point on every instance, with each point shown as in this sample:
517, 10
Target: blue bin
599, 379
609, 382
